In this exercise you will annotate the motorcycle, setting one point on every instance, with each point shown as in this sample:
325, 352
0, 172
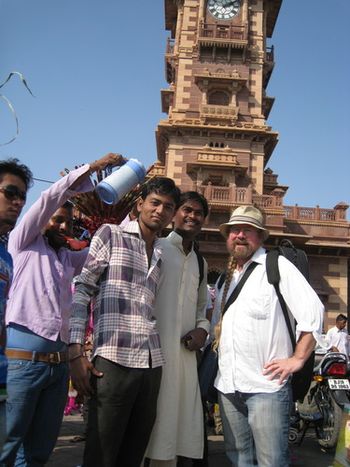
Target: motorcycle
322, 407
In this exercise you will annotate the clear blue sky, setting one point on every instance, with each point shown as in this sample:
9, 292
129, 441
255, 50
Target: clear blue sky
96, 68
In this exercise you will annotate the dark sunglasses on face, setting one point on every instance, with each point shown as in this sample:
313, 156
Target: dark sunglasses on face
12, 192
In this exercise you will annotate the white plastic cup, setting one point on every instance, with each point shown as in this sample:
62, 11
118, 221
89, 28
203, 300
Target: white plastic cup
121, 181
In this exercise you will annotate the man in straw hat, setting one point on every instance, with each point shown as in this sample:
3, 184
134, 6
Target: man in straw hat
255, 350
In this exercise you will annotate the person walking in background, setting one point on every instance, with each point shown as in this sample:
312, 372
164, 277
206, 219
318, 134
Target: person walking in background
256, 357
15, 180
37, 319
337, 338
180, 310
121, 276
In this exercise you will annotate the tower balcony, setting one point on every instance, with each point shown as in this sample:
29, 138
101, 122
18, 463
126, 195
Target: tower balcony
170, 46
269, 65
170, 60
218, 112
234, 196
227, 196
235, 36
302, 213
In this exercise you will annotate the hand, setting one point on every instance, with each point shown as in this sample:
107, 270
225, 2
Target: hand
111, 159
283, 368
80, 370
195, 339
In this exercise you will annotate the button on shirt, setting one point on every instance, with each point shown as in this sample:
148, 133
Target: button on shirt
40, 295
254, 331
117, 274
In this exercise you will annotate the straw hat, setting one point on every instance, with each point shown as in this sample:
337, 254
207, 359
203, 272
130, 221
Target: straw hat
245, 215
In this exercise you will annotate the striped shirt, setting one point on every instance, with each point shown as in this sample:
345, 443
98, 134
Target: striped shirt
117, 276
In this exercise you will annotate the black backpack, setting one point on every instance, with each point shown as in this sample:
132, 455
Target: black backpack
301, 380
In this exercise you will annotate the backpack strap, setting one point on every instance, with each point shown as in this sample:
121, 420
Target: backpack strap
239, 286
272, 271
221, 280
273, 277
200, 260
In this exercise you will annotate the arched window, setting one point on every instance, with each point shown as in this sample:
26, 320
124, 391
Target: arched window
218, 98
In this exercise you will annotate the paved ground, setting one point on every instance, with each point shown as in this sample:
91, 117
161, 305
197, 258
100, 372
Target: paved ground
69, 454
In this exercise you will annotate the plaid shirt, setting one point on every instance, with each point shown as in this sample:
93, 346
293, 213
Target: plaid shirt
116, 273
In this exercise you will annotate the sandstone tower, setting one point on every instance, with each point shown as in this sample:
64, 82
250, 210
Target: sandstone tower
216, 139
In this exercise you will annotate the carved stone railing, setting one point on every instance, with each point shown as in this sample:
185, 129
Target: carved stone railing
267, 201
217, 157
302, 213
226, 195
221, 112
231, 32
233, 195
157, 171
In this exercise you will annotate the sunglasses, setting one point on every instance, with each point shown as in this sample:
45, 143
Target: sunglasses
12, 192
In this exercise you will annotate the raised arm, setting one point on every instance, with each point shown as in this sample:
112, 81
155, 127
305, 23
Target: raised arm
36, 218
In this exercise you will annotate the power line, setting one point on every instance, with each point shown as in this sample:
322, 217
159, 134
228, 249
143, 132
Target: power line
42, 180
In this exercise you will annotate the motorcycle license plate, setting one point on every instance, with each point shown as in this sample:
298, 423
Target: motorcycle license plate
338, 383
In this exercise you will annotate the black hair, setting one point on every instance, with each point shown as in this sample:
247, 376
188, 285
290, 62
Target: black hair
195, 196
13, 166
341, 317
68, 205
162, 186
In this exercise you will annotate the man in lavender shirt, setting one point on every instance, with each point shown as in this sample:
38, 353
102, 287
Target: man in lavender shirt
37, 319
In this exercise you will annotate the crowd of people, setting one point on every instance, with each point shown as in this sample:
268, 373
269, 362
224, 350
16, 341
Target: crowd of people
149, 303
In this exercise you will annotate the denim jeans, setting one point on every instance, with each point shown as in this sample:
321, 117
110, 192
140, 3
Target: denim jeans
2, 424
37, 394
256, 427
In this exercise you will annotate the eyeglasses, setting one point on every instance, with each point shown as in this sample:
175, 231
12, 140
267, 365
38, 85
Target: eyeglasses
12, 192
244, 230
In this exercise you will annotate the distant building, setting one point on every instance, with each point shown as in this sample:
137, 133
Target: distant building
215, 138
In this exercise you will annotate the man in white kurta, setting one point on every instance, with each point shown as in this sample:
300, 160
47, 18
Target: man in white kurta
180, 312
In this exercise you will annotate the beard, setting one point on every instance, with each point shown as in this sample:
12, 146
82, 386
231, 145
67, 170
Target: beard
241, 251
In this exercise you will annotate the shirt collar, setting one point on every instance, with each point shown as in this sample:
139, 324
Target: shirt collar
259, 256
176, 240
133, 228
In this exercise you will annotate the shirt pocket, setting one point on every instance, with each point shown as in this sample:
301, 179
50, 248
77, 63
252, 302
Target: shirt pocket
259, 307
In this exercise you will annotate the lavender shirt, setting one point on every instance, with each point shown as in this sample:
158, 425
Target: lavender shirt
40, 296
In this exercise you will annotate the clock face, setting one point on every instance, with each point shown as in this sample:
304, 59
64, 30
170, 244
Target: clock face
224, 9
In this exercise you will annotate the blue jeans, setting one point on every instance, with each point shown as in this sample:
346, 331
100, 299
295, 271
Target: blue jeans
2, 424
256, 427
37, 394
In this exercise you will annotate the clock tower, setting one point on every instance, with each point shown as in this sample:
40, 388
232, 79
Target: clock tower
216, 138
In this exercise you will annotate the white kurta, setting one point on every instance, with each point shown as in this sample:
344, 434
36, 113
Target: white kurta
180, 307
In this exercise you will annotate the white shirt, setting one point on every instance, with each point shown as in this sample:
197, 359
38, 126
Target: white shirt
254, 331
338, 338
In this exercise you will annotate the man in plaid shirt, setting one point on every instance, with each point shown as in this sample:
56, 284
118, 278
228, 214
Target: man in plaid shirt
121, 274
